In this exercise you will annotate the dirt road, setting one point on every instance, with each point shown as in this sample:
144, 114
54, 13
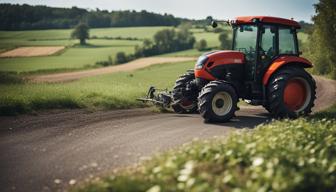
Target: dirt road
49, 151
133, 65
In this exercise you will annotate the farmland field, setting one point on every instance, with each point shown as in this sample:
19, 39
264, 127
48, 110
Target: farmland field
32, 51
11, 39
74, 57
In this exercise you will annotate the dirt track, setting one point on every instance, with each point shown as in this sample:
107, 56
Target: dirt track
133, 65
45, 152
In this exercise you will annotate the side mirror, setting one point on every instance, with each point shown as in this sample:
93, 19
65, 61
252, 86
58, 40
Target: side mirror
214, 24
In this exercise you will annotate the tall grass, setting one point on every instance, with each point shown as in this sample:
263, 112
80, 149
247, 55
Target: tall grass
113, 91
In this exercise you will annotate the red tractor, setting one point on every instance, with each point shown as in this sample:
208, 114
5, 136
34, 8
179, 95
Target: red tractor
263, 68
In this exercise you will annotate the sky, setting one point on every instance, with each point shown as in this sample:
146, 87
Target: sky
194, 9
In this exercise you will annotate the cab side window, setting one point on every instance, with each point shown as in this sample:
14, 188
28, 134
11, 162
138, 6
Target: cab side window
268, 43
286, 41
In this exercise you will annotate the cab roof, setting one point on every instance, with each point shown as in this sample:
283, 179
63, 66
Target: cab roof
267, 19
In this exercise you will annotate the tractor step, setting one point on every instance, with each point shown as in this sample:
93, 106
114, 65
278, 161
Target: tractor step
254, 102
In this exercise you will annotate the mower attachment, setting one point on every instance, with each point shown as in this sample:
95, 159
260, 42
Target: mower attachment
163, 98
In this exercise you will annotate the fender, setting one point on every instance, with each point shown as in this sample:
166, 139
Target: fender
282, 61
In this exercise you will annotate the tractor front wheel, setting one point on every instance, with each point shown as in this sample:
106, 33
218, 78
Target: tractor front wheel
291, 93
217, 102
184, 101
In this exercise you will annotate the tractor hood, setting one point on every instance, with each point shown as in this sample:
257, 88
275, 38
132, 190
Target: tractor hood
225, 57
215, 59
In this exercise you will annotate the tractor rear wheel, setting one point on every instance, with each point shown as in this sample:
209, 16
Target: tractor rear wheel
184, 101
217, 102
291, 93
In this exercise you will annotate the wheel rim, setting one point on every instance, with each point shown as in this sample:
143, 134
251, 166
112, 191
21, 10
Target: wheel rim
222, 103
297, 94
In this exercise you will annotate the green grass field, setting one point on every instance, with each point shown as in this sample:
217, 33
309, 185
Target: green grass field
71, 58
112, 91
287, 155
10, 39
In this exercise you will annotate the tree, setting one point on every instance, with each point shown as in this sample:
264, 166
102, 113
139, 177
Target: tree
81, 32
121, 58
201, 45
165, 41
322, 45
225, 42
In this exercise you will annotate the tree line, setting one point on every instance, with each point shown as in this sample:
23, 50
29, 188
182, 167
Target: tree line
321, 47
164, 41
26, 17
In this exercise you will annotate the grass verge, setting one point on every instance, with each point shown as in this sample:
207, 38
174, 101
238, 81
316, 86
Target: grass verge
111, 91
287, 155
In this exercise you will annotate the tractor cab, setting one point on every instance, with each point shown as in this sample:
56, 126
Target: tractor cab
263, 39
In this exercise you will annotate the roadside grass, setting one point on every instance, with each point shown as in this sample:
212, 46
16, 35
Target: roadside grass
10, 78
111, 91
284, 155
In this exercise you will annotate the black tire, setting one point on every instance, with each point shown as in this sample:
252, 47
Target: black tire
267, 107
277, 104
184, 103
212, 98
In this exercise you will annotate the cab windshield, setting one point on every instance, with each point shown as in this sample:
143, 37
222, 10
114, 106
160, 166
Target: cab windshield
245, 40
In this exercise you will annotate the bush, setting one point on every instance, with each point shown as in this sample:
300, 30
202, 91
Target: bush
10, 78
219, 30
288, 155
225, 42
201, 45
105, 63
121, 58
322, 45
165, 41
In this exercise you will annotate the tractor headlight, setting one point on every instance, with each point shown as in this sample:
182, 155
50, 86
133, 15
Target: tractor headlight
201, 61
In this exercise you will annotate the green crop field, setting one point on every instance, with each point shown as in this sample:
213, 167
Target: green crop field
118, 90
72, 58
10, 39
211, 38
